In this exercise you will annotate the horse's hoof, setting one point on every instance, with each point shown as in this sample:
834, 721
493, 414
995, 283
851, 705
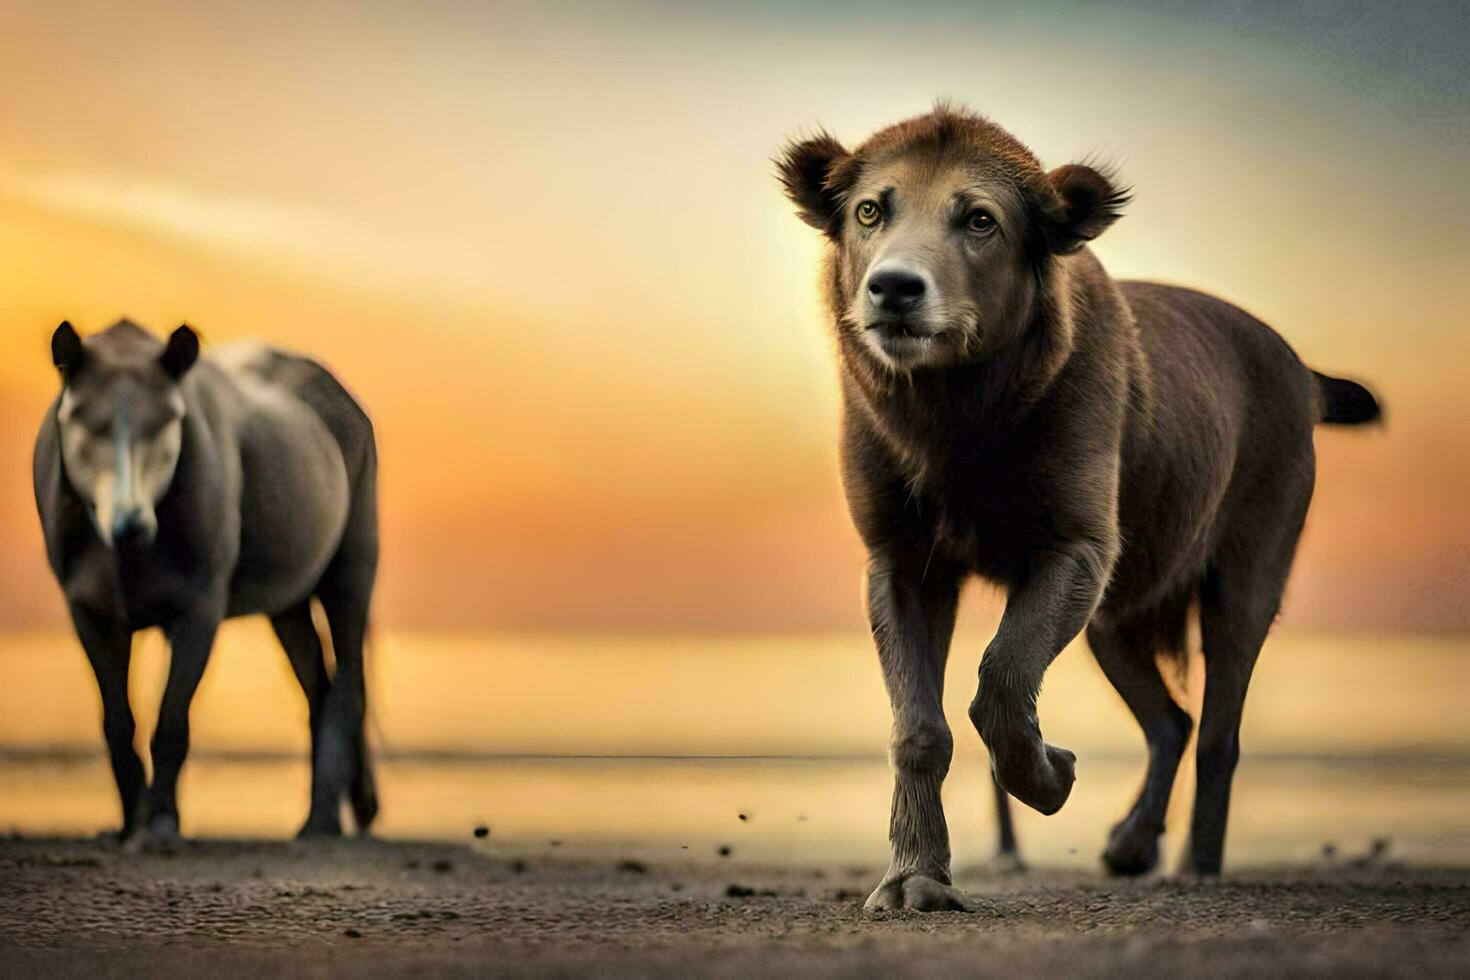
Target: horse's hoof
919, 893
364, 811
118, 837
159, 836
163, 826
319, 828
1132, 850
134, 841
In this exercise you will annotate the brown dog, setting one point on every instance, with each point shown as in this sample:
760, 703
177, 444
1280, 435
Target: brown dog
1110, 453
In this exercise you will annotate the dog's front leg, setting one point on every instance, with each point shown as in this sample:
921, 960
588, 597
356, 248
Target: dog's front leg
1043, 614
911, 608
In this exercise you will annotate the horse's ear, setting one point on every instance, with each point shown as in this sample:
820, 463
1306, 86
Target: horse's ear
67, 352
181, 353
1088, 201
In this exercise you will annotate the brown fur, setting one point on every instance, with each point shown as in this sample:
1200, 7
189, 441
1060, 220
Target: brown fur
1108, 453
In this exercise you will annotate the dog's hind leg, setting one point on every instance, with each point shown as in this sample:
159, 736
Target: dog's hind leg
1007, 853
1232, 640
1128, 662
108, 643
1239, 599
911, 608
303, 646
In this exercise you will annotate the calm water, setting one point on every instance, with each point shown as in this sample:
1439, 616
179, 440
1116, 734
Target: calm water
1347, 739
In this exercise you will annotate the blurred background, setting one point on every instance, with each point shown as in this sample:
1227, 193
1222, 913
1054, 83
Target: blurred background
543, 246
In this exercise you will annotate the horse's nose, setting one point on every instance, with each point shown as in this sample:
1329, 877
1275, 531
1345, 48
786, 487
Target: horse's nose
895, 289
129, 527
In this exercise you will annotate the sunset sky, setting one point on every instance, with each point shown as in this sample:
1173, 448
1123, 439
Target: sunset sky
544, 246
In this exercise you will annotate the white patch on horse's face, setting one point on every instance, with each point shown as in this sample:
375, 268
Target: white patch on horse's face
119, 448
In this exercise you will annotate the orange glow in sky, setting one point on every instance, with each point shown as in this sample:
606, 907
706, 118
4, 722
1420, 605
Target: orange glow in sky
546, 250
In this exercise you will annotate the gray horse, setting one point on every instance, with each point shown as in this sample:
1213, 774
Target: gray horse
177, 491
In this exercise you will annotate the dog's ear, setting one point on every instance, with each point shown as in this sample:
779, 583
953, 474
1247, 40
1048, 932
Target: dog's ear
1087, 202
181, 353
811, 171
67, 352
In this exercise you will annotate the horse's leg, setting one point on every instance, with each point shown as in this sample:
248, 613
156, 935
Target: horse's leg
108, 643
363, 790
343, 766
298, 635
346, 592
190, 639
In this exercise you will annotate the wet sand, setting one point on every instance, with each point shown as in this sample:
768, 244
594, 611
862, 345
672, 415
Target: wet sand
85, 908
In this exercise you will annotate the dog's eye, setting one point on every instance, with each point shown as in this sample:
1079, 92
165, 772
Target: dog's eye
980, 222
868, 213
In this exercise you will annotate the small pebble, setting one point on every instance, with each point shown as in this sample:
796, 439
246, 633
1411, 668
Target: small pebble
351, 933
725, 850
482, 831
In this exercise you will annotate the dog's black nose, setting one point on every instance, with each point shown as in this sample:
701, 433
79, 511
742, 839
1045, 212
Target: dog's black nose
895, 290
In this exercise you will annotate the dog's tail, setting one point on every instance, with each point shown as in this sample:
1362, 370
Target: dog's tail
1346, 402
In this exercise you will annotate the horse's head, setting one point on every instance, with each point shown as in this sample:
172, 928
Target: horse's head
121, 419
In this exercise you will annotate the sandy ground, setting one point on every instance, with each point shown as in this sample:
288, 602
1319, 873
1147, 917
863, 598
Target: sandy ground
85, 908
